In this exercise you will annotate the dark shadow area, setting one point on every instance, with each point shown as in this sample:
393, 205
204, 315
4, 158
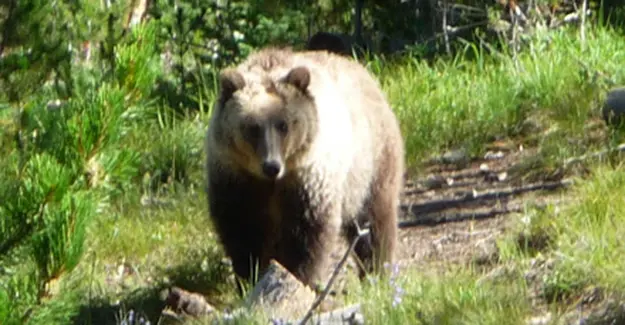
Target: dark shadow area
613, 12
212, 282
144, 303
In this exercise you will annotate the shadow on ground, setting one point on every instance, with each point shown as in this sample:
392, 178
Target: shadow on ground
148, 302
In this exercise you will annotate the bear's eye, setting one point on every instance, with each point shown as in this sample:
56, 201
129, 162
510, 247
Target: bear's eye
252, 131
282, 127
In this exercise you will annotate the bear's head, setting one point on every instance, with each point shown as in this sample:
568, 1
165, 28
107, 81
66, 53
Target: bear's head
266, 124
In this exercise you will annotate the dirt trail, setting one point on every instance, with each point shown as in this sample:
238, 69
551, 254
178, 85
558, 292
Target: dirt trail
456, 210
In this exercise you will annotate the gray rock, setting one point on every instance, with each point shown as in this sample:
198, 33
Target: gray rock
434, 182
458, 157
608, 312
186, 302
494, 155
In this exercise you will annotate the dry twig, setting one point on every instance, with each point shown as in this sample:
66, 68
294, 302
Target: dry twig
326, 290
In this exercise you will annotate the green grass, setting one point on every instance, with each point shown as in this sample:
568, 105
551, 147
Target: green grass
135, 251
591, 241
467, 103
586, 237
450, 297
441, 105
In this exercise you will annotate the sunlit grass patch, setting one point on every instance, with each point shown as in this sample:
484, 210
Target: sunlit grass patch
140, 248
454, 296
467, 103
590, 235
575, 245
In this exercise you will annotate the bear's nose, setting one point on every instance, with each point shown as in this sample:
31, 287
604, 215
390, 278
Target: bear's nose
271, 168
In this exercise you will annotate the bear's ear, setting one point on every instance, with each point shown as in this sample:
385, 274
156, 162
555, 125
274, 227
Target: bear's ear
298, 77
230, 81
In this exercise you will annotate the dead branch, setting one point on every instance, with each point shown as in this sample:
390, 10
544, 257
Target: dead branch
138, 12
346, 315
335, 273
582, 31
445, 31
597, 154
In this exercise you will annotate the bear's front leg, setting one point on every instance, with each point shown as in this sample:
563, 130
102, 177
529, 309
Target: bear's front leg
237, 209
308, 240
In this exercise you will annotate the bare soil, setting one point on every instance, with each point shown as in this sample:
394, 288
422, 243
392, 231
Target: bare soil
454, 212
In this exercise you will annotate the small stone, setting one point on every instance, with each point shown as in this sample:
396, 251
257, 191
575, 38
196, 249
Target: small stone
487, 252
190, 303
531, 126
540, 320
500, 273
494, 155
484, 168
280, 294
54, 104
434, 182
458, 157
491, 177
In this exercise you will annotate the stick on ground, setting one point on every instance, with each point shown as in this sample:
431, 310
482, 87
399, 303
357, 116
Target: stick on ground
336, 271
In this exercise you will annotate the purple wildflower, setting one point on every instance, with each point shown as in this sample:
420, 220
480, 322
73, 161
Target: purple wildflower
131, 316
398, 290
278, 321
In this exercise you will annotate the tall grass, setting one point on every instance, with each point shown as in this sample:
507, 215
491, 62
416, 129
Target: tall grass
467, 102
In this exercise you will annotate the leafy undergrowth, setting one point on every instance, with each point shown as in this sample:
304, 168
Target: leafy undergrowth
154, 232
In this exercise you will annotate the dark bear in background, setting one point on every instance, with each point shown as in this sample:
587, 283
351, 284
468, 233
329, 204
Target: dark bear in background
330, 42
613, 110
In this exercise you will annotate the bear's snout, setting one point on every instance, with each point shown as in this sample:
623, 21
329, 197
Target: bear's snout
272, 168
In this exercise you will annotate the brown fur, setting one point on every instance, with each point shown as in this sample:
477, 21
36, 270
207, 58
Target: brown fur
341, 157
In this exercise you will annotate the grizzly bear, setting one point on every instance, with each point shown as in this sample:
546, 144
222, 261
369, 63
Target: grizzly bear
299, 146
